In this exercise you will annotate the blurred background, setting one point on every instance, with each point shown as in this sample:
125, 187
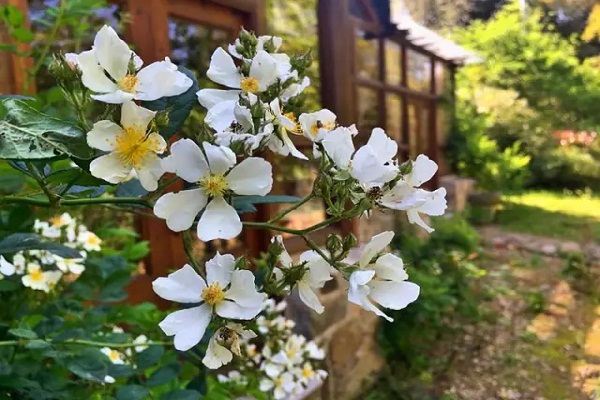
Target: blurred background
504, 95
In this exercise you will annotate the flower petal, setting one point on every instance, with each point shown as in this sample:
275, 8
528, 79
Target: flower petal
188, 326
216, 355
6, 268
103, 135
222, 69
264, 69
219, 221
358, 292
208, 98
220, 158
309, 297
339, 146
245, 301
110, 168
391, 267
116, 97
219, 269
384, 146
221, 115
186, 161
92, 74
394, 295
423, 169
180, 209
376, 245
253, 176
113, 54
161, 79
133, 115
150, 172
182, 286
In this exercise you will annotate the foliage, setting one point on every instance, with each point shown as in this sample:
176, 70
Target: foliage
443, 267
538, 86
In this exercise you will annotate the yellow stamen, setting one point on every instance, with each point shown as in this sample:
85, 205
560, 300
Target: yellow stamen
114, 355
128, 83
214, 185
297, 130
36, 275
56, 221
132, 146
213, 294
308, 372
249, 85
314, 129
92, 240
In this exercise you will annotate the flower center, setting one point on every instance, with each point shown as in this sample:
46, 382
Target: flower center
249, 85
114, 355
57, 221
132, 146
297, 130
36, 275
213, 294
92, 240
314, 129
214, 185
128, 83
308, 372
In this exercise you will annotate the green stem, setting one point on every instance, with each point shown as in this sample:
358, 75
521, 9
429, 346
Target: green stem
285, 212
278, 228
52, 198
75, 202
81, 342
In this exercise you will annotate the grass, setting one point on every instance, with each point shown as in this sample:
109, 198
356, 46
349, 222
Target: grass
572, 216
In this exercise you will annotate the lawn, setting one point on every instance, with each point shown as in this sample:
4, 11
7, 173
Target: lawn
555, 214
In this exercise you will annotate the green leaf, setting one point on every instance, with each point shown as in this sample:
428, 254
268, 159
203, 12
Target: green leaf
27, 134
8, 286
136, 251
182, 394
37, 344
73, 176
90, 364
163, 375
132, 392
23, 333
30, 241
149, 357
245, 204
178, 107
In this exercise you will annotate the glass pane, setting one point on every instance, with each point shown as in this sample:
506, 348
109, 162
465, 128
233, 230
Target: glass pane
192, 45
418, 71
393, 108
367, 57
418, 127
393, 64
368, 108
441, 77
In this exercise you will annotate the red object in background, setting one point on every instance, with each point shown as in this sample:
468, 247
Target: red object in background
580, 138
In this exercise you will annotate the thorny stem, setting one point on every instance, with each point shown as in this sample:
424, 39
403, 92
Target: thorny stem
81, 342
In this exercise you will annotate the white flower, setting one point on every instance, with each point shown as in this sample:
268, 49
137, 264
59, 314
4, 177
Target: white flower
406, 195
224, 344
315, 125
216, 173
292, 352
105, 69
142, 343
38, 279
19, 262
220, 105
318, 272
89, 240
307, 373
72, 265
281, 385
283, 144
109, 379
115, 357
227, 292
130, 147
373, 164
295, 89
46, 229
339, 146
381, 280
262, 74
6, 268
314, 351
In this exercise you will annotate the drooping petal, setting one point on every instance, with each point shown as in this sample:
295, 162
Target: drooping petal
113, 54
253, 176
415, 218
208, 98
309, 297
181, 286
181, 208
423, 169
287, 141
358, 292
161, 79
110, 168
150, 172
339, 146
222, 69
219, 221
391, 267
116, 97
216, 355
219, 269
103, 135
220, 158
376, 245
133, 115
186, 161
188, 326
394, 295
92, 74
264, 69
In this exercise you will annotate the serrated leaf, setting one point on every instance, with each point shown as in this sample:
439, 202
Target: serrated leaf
23, 333
178, 107
30, 241
28, 134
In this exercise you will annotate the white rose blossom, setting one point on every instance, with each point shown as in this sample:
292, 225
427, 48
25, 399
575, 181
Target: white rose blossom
130, 147
38, 279
231, 335
228, 292
216, 174
380, 278
106, 70
6, 268
316, 124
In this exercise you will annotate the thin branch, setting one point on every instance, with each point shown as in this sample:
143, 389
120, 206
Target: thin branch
76, 202
81, 342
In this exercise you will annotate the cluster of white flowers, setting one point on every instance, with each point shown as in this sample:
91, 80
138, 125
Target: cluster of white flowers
286, 362
123, 357
249, 115
41, 269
